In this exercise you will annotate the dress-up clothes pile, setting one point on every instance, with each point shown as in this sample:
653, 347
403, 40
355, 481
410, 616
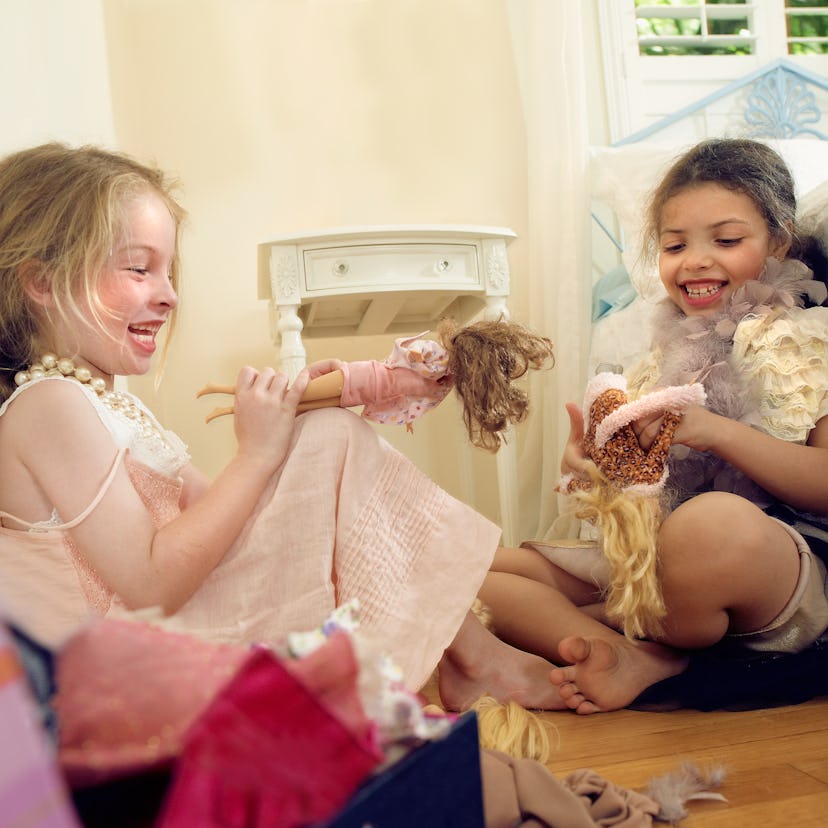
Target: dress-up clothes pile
242, 738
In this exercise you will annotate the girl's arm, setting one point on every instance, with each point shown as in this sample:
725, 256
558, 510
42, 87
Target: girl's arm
796, 474
195, 484
143, 566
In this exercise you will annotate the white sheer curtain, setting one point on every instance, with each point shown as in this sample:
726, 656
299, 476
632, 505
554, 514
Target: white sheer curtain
556, 113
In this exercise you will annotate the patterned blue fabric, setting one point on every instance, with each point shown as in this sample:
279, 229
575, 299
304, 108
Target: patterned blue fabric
39, 666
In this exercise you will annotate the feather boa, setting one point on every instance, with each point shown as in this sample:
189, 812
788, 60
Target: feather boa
698, 348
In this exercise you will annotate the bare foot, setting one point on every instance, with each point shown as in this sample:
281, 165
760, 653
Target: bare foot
478, 664
608, 673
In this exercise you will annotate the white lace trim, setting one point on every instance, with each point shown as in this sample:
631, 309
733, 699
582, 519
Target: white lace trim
149, 443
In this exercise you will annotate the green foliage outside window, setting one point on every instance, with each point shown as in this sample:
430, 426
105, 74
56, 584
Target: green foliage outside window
808, 26
691, 26
811, 29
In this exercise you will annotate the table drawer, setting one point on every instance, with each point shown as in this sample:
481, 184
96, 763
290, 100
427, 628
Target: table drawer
378, 267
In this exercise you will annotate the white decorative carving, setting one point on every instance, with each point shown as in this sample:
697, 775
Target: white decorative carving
285, 275
497, 267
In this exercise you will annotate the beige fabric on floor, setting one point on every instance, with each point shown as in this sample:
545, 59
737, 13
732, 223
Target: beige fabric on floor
522, 792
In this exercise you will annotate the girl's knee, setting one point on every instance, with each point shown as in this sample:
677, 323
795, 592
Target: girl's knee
330, 424
715, 529
721, 553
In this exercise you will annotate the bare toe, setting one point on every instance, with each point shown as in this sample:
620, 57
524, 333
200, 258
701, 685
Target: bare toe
561, 675
574, 649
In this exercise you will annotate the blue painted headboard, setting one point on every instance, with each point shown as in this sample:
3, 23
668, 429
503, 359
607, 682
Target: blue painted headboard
781, 100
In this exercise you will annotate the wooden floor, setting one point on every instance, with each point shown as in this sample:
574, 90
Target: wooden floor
776, 760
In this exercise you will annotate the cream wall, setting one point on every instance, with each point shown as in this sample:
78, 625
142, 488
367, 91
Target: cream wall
53, 63
283, 116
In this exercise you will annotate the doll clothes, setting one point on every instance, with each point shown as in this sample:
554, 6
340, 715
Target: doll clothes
409, 383
346, 516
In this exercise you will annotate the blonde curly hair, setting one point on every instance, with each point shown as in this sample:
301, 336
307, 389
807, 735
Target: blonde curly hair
61, 210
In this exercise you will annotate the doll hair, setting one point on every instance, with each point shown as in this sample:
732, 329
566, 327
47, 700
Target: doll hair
61, 211
629, 525
754, 169
622, 493
484, 359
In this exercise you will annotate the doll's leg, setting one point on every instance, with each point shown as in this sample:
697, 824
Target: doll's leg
726, 567
322, 392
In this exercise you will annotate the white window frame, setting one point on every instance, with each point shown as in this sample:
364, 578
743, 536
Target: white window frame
642, 89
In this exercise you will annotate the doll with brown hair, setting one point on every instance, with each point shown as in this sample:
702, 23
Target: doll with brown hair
480, 361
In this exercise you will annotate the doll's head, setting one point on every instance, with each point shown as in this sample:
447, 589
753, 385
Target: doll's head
485, 358
61, 212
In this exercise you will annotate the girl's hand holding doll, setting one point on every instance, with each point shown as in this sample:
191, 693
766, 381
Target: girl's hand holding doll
265, 409
697, 430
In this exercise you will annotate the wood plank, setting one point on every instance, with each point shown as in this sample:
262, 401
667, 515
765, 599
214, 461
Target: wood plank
801, 812
818, 768
776, 760
380, 313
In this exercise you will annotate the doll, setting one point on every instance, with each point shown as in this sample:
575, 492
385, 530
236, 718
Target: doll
479, 361
622, 495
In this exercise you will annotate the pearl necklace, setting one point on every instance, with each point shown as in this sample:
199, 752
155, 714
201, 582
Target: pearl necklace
51, 366
138, 430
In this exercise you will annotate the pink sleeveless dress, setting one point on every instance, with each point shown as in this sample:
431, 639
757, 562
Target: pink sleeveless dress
345, 517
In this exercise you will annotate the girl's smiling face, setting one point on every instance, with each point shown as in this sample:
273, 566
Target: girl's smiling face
135, 292
711, 241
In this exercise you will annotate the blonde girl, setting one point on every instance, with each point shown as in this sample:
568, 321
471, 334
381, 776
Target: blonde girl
102, 511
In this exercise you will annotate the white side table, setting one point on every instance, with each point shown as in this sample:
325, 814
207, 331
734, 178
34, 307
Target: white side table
398, 280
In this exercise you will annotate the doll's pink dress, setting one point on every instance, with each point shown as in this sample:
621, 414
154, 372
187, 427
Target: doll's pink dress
346, 516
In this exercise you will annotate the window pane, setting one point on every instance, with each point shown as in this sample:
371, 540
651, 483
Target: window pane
694, 27
807, 27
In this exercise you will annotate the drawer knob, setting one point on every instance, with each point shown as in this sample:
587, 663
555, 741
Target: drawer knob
442, 266
340, 267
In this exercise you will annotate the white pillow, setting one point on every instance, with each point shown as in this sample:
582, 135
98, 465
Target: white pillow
623, 178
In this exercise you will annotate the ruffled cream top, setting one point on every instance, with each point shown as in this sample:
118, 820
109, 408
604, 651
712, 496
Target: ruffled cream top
786, 354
